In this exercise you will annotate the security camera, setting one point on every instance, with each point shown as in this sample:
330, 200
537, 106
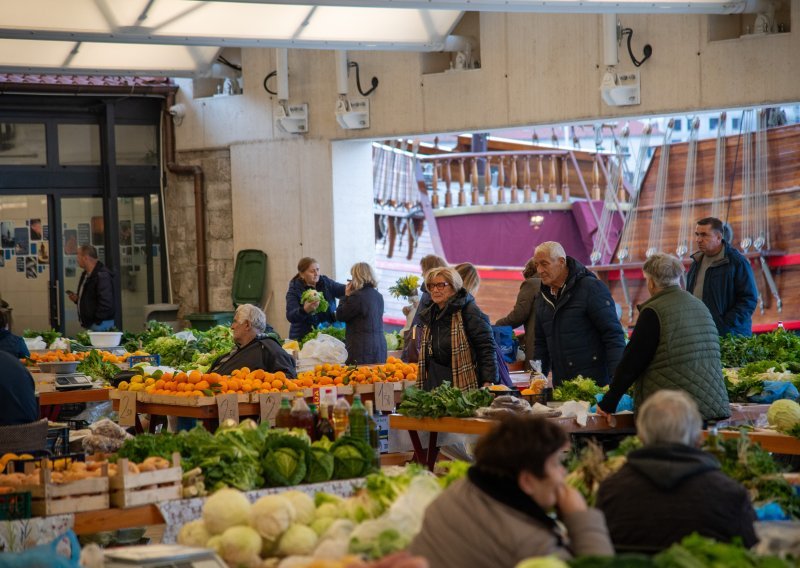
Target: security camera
178, 111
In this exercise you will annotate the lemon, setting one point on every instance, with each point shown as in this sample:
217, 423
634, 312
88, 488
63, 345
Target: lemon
123, 385
137, 387
149, 381
137, 379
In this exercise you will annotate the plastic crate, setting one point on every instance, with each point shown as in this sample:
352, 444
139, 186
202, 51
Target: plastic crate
15, 506
204, 322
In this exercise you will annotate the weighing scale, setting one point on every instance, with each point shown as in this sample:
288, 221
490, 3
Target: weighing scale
161, 556
72, 381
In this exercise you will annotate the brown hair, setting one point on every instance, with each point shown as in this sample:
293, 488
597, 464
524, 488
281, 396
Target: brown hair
431, 261
303, 264
519, 443
88, 250
470, 277
716, 224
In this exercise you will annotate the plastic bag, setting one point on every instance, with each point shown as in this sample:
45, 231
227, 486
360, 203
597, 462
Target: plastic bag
504, 338
322, 349
775, 390
45, 555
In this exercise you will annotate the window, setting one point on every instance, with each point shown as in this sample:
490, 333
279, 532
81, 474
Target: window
136, 145
22, 144
78, 144
713, 123
678, 125
735, 123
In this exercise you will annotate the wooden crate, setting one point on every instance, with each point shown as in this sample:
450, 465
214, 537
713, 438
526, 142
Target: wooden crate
49, 498
135, 489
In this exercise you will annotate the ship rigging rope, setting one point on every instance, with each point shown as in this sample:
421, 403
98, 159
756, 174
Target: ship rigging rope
719, 170
747, 182
762, 184
615, 173
657, 223
623, 252
687, 207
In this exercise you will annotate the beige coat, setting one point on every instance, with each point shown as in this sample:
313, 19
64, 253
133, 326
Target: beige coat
466, 528
523, 314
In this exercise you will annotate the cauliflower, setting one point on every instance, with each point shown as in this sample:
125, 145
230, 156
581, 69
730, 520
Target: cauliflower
240, 546
298, 540
215, 544
271, 516
194, 533
224, 509
303, 505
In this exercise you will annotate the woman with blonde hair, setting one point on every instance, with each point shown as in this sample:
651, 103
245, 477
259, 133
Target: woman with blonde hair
457, 340
362, 310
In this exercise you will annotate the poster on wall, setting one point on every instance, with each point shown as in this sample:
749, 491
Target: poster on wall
125, 234
7, 234
33, 249
98, 231
70, 241
139, 234
83, 234
21, 243
45, 232
20, 264
35, 225
31, 269
70, 266
44, 253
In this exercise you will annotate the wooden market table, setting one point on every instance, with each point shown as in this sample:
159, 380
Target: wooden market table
208, 413
623, 423
50, 402
770, 441
112, 519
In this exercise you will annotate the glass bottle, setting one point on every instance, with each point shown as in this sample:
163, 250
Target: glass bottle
374, 434
324, 426
341, 416
315, 417
301, 416
358, 420
284, 417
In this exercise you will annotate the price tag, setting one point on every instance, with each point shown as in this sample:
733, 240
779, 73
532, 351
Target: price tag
228, 407
127, 408
269, 404
384, 396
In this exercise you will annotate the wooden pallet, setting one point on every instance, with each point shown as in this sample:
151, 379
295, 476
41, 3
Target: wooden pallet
135, 489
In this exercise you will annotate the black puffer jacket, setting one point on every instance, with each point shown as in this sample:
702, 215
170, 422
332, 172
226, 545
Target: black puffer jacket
301, 321
96, 302
362, 311
666, 492
578, 333
476, 326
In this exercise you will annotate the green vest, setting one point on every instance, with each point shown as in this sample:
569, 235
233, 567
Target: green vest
687, 357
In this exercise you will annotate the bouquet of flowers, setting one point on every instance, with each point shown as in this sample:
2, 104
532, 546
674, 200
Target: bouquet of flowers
405, 287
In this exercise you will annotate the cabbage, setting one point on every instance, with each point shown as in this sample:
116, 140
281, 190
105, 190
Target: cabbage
312, 295
303, 505
271, 515
351, 457
321, 524
286, 461
224, 509
320, 465
240, 546
298, 540
784, 415
194, 533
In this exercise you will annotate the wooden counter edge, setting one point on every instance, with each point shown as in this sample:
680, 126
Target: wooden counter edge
112, 519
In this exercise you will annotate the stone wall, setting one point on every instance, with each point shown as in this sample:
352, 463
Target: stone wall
180, 226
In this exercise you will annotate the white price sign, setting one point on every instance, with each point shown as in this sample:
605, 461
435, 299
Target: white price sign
228, 407
127, 408
269, 404
384, 397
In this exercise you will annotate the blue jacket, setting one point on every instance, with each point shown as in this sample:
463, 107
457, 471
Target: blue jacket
578, 333
17, 398
302, 323
13, 344
729, 291
362, 311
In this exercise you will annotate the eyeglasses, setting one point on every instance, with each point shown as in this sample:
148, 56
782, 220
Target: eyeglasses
438, 285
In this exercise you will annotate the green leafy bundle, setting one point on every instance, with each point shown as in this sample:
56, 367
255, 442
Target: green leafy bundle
444, 400
337, 332
136, 341
698, 551
579, 388
405, 286
174, 352
779, 345
48, 335
94, 366
312, 295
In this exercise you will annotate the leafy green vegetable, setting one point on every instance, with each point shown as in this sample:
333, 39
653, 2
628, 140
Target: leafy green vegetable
136, 341
453, 471
387, 542
94, 366
385, 488
444, 400
779, 345
697, 551
312, 295
286, 460
394, 340
320, 463
579, 388
337, 332
351, 458
174, 352
49, 335
82, 337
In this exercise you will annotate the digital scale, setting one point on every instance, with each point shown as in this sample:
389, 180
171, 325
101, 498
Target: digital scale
161, 556
72, 381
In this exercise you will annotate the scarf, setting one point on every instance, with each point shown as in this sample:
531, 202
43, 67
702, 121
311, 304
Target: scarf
462, 364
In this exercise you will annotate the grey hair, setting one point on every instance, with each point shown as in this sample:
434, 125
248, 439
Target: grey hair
669, 417
663, 269
252, 314
552, 248
450, 275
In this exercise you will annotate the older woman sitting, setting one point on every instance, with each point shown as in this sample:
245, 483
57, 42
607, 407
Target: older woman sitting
457, 340
500, 514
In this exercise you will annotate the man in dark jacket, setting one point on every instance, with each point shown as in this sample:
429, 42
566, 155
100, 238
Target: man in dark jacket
577, 329
669, 488
95, 297
17, 397
723, 279
256, 346
9, 342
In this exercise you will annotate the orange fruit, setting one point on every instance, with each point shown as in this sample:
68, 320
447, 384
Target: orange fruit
181, 377
195, 377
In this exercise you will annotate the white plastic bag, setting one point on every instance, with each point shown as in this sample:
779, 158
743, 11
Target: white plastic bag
322, 349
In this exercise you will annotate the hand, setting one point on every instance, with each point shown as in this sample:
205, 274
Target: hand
72, 296
569, 500
608, 416
348, 289
310, 307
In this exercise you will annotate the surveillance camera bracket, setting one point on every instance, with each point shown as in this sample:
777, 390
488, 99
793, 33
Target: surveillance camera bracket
292, 119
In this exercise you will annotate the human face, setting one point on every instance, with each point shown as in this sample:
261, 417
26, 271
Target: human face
545, 490
311, 274
708, 240
440, 290
552, 271
241, 331
82, 260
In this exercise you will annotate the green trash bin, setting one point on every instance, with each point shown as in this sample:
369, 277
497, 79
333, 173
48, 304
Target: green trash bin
249, 282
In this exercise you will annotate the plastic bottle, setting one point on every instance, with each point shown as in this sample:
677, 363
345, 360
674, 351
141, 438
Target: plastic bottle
374, 434
301, 416
341, 416
358, 420
284, 417
315, 417
324, 426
